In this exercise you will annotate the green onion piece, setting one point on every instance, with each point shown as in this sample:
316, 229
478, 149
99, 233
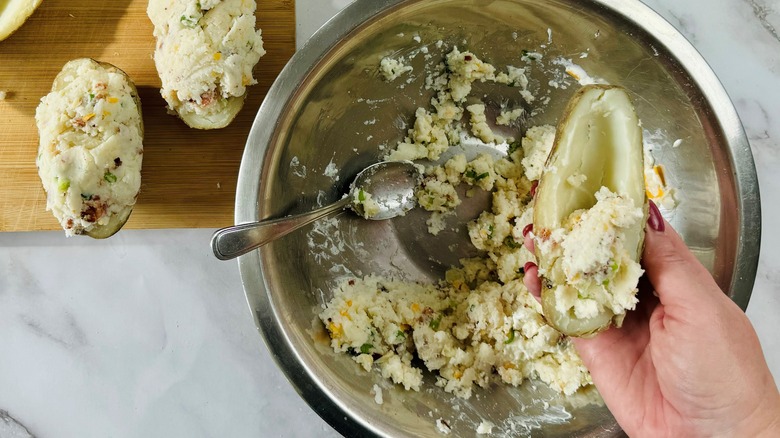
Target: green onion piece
434, 324
515, 145
401, 334
510, 338
510, 242
86, 196
188, 21
64, 185
109, 177
366, 348
361, 196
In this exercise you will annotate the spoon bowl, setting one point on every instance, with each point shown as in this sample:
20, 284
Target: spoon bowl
381, 191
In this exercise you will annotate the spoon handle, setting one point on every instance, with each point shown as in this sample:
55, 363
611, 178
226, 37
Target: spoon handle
231, 242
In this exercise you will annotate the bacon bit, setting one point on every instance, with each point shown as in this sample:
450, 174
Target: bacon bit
351, 282
534, 185
93, 211
467, 58
69, 224
206, 98
79, 122
101, 86
117, 162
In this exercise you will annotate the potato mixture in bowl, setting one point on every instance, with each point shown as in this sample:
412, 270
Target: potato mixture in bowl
479, 324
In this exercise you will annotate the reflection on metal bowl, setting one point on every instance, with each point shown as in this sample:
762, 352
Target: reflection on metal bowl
327, 114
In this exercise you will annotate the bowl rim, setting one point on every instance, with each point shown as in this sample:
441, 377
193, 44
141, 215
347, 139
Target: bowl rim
353, 16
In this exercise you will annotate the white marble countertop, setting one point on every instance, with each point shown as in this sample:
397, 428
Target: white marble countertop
155, 339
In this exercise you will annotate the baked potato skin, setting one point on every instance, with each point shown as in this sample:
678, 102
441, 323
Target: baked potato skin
550, 212
13, 15
117, 218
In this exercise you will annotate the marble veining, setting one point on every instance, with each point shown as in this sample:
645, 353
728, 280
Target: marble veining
158, 341
764, 13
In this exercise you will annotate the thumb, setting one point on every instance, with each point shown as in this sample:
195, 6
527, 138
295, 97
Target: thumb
675, 273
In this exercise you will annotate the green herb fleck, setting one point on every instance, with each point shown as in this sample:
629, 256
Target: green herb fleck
86, 196
510, 338
188, 21
514, 146
109, 177
63, 185
471, 173
361, 196
366, 348
510, 242
605, 283
491, 229
434, 324
91, 96
614, 266
401, 334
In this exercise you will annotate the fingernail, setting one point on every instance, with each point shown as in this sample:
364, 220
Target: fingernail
656, 221
528, 265
528, 228
534, 185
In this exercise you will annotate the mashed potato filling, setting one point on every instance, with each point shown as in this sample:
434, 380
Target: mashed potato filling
205, 52
592, 268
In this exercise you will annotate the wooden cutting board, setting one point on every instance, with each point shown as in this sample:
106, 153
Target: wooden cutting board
189, 176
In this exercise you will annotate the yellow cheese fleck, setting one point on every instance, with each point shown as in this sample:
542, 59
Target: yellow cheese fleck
112, 100
217, 56
88, 116
336, 331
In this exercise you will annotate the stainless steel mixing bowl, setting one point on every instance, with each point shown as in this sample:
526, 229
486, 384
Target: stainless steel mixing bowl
330, 107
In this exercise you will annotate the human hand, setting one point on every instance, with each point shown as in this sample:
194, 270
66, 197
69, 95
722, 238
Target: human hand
687, 361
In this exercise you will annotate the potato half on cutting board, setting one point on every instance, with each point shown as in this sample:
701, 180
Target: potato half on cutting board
91, 147
205, 54
13, 14
590, 212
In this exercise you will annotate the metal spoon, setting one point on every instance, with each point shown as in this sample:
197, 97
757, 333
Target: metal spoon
381, 191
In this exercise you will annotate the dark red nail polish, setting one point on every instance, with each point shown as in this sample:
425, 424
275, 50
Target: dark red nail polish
528, 265
656, 221
534, 185
527, 229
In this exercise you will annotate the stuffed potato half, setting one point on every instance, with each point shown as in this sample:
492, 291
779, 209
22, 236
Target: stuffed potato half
590, 213
91, 147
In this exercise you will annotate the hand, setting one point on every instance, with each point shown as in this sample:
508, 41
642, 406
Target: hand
687, 361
